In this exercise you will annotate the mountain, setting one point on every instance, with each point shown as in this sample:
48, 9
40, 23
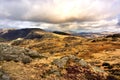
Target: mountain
19, 33
35, 54
1, 30
114, 35
93, 34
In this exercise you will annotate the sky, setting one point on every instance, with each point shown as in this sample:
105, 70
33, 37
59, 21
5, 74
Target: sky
61, 15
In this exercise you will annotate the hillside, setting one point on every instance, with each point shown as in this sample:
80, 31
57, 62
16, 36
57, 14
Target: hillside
20, 33
41, 55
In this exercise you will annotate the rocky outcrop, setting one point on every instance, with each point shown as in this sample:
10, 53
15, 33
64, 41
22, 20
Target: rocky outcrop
62, 62
4, 76
73, 68
17, 54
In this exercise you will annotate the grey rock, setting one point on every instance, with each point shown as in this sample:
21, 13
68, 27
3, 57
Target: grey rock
83, 63
97, 69
14, 53
61, 62
4, 76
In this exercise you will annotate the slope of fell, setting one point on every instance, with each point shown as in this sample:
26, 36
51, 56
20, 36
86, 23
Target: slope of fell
19, 33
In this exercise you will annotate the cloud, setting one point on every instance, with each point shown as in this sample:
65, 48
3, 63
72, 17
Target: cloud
118, 21
87, 26
18, 24
58, 11
63, 15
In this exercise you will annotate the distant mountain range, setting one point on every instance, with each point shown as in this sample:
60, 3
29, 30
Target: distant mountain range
11, 34
94, 35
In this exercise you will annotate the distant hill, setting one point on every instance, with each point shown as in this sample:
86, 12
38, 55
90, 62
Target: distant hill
30, 33
61, 33
95, 35
19, 33
114, 35
0, 30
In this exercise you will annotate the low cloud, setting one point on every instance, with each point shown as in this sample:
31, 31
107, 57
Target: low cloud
93, 26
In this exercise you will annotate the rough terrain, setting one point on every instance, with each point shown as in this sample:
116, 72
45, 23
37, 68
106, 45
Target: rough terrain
41, 55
